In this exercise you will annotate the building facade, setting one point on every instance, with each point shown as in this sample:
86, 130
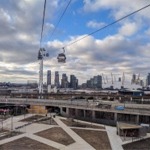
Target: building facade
64, 81
73, 82
56, 79
48, 77
95, 82
148, 79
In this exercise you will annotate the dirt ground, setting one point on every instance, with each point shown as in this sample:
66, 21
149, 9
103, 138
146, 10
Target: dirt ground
3, 130
25, 144
32, 118
56, 134
98, 139
9, 134
45, 120
71, 123
139, 145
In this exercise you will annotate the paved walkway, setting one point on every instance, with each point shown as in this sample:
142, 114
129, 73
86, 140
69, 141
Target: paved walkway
35, 127
115, 140
137, 139
80, 144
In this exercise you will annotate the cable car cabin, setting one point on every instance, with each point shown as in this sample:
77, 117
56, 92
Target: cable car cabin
61, 58
39, 55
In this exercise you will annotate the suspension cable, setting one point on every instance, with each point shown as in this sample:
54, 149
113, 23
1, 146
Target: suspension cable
61, 18
106, 26
43, 20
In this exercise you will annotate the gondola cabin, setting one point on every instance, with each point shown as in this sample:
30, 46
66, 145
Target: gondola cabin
61, 58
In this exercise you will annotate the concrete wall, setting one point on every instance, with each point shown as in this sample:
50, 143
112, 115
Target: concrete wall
109, 118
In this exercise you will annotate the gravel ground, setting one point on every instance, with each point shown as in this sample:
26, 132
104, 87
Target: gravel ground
139, 145
32, 118
9, 134
79, 124
25, 144
56, 134
98, 139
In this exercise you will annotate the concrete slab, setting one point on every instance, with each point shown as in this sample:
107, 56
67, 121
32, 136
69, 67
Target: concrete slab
80, 143
115, 140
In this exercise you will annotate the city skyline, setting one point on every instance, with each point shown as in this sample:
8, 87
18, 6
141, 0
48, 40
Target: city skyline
96, 82
123, 47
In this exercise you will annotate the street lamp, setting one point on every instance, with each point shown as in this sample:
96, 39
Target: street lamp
12, 122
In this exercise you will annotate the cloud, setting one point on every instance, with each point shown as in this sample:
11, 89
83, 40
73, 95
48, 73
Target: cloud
119, 8
123, 51
93, 56
95, 25
20, 33
128, 29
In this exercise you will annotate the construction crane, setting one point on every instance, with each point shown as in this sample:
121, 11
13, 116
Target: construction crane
123, 79
103, 78
138, 79
112, 80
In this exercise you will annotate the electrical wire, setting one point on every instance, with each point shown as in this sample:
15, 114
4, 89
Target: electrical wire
106, 26
43, 20
61, 18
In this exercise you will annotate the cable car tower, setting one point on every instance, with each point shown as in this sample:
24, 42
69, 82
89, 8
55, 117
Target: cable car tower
41, 54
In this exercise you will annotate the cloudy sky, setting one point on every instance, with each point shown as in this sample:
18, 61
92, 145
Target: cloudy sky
123, 47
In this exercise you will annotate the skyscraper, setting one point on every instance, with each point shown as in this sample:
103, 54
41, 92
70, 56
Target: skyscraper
64, 81
95, 82
73, 82
133, 79
56, 80
148, 79
48, 77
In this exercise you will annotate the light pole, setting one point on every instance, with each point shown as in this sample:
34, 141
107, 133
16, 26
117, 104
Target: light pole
12, 122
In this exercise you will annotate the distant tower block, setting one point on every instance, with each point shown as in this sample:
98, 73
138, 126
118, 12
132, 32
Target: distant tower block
119, 79
48, 77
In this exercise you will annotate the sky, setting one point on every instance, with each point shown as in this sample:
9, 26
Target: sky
123, 47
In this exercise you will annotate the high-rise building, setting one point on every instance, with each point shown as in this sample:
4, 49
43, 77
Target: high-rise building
119, 79
56, 80
98, 81
141, 83
48, 77
148, 79
73, 82
95, 82
133, 78
64, 81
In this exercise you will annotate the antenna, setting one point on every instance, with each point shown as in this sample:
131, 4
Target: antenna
103, 78
123, 79
112, 78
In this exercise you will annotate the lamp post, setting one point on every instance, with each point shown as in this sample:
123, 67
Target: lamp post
12, 122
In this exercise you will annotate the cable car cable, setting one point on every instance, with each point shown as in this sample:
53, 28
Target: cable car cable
52, 33
43, 21
107, 26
